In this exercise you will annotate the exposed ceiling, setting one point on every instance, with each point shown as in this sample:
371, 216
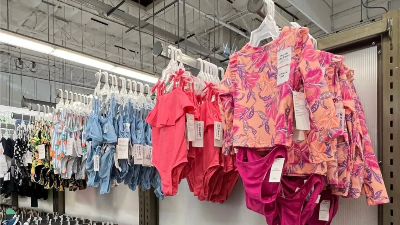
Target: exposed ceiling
126, 36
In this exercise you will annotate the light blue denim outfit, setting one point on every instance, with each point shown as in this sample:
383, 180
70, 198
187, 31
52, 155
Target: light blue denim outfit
110, 139
137, 137
146, 172
93, 133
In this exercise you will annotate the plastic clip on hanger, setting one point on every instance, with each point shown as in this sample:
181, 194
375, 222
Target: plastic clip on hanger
268, 27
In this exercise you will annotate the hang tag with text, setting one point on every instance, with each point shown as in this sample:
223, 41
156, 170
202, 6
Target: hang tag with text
138, 157
276, 170
324, 210
70, 146
283, 75
42, 151
199, 130
217, 130
284, 57
123, 148
340, 114
28, 157
3, 168
300, 111
148, 155
6, 176
96, 163
191, 136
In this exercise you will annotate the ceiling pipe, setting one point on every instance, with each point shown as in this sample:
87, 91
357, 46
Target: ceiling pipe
216, 19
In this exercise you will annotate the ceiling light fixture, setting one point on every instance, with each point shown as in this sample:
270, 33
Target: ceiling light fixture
47, 48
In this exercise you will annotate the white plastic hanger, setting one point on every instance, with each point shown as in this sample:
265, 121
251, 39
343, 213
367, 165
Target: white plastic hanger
268, 27
106, 88
97, 89
141, 97
60, 104
149, 102
123, 96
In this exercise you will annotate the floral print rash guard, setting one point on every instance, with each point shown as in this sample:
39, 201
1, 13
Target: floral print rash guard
256, 111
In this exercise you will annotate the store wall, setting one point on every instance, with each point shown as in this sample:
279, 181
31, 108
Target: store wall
184, 208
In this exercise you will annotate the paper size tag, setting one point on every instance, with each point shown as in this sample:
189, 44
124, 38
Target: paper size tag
199, 129
138, 155
105, 128
276, 170
318, 198
3, 168
191, 136
28, 157
123, 148
324, 210
7, 177
284, 57
70, 146
298, 135
148, 155
96, 162
340, 114
42, 151
300, 111
283, 75
217, 130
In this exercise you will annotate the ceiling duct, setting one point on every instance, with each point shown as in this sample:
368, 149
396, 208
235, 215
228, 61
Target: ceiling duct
147, 28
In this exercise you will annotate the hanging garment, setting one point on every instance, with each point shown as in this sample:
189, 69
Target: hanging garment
252, 94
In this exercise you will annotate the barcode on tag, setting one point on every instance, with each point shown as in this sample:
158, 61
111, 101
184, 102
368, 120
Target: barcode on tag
42, 151
148, 153
96, 163
340, 114
70, 146
138, 154
324, 210
276, 170
123, 148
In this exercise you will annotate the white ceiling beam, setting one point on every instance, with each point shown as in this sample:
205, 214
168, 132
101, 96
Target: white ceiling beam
317, 11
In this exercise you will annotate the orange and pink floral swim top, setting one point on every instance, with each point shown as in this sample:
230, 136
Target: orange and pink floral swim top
256, 99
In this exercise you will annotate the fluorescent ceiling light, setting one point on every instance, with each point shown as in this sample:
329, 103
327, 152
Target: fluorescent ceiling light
38, 46
135, 75
25, 43
86, 60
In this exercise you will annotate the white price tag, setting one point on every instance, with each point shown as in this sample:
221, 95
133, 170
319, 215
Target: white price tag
28, 157
283, 75
42, 151
324, 210
70, 146
3, 167
191, 136
318, 198
199, 130
340, 114
96, 163
217, 130
300, 111
123, 148
284, 57
138, 157
148, 155
7, 177
276, 170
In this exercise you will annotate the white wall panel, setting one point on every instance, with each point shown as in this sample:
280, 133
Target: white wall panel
364, 62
